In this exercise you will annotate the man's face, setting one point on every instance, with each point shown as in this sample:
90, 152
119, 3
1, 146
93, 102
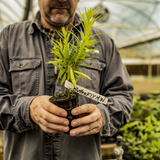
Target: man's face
58, 12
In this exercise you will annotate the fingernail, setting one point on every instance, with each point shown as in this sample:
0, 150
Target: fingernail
73, 133
65, 123
74, 111
74, 124
63, 114
65, 129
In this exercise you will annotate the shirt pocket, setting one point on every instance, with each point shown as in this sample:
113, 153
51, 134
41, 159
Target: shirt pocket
94, 71
25, 76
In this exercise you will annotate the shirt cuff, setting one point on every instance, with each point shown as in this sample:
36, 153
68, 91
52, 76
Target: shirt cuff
107, 129
22, 114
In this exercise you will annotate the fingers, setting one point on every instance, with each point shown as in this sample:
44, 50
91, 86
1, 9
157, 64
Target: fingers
94, 115
55, 109
51, 127
50, 107
86, 108
93, 131
41, 114
51, 118
88, 129
90, 124
48, 116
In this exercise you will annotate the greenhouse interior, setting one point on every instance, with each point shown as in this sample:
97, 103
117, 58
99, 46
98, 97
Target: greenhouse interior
134, 26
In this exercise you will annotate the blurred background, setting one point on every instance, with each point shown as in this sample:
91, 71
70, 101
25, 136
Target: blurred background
134, 25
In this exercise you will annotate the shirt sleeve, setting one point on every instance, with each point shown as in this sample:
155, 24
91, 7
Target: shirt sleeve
117, 87
14, 109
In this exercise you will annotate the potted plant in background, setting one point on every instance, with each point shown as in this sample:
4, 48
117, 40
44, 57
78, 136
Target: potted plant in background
141, 136
70, 57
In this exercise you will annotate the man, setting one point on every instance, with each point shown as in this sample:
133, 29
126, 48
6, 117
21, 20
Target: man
34, 127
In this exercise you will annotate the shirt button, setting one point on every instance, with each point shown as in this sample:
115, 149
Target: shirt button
48, 139
20, 65
104, 131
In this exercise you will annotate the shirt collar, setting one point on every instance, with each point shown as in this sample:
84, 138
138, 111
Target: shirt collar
36, 22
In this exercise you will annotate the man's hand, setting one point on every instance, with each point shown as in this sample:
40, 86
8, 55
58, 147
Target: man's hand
48, 116
90, 124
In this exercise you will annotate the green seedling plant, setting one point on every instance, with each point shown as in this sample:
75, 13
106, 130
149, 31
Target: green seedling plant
70, 56
141, 135
145, 108
142, 139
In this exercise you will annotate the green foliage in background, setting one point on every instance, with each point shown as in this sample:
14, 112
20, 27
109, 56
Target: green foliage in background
70, 57
141, 135
145, 108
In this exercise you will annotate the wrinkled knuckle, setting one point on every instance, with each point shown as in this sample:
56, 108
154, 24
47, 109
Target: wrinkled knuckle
40, 100
45, 124
46, 130
45, 116
97, 130
89, 127
93, 118
60, 128
99, 114
47, 107
98, 122
101, 122
35, 115
88, 108
38, 121
60, 120
100, 126
91, 132
36, 109
81, 122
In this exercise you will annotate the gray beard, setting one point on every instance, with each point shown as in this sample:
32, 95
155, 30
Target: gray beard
58, 23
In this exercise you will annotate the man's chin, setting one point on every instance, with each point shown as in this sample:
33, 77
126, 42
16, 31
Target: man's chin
60, 18
60, 22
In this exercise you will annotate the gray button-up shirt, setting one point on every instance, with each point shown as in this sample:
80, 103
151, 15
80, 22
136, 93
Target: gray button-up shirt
24, 74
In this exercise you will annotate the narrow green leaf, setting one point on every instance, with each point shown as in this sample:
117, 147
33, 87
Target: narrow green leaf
72, 77
61, 72
60, 34
68, 73
60, 61
63, 79
84, 75
55, 64
57, 53
74, 36
77, 80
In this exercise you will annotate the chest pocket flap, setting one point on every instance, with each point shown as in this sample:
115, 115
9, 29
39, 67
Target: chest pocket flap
95, 64
24, 64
